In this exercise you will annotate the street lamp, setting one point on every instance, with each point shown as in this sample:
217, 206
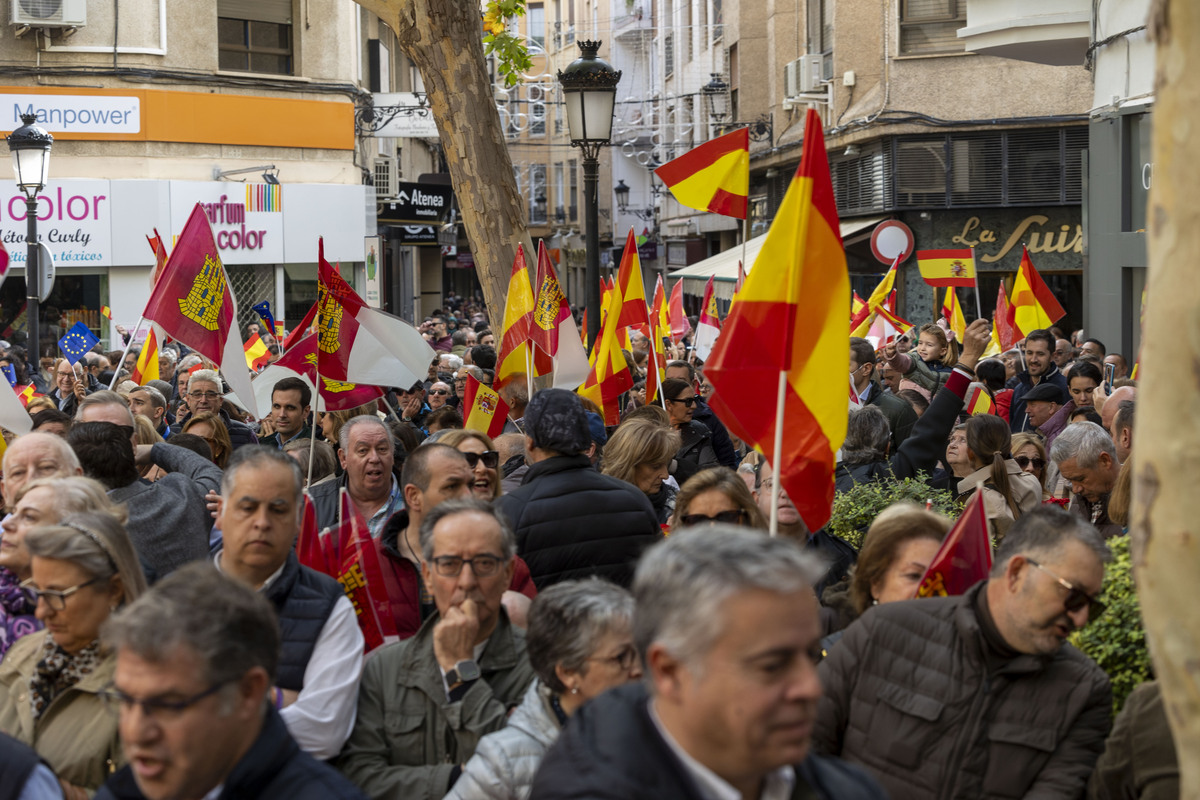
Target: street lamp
30, 146
590, 89
718, 101
622, 193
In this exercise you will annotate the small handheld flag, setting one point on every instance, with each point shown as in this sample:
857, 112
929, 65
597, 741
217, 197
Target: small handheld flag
486, 412
10, 372
965, 557
257, 354
980, 402
263, 309
947, 267
106, 312
79, 340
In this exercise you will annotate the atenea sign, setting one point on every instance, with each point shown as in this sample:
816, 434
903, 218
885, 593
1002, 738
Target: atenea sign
73, 113
418, 203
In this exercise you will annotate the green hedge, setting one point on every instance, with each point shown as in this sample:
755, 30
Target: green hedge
856, 509
1117, 641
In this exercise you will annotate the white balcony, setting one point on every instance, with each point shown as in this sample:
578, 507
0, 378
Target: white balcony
1054, 32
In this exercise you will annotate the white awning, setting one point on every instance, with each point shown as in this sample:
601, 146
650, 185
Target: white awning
723, 267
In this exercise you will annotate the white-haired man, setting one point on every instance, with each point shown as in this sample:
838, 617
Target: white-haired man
204, 395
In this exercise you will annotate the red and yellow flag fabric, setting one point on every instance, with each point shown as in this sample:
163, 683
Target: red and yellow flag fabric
361, 576
485, 411
708, 327
513, 356
556, 344
861, 323
791, 318
714, 176
1003, 333
965, 557
634, 310
610, 376
106, 312
947, 268
1034, 306
660, 329
257, 354
160, 256
679, 321
857, 304
980, 402
300, 361
952, 312
146, 369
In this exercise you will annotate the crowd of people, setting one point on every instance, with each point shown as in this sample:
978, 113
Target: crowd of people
581, 611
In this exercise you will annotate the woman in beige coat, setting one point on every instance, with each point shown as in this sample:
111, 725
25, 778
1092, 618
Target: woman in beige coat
50, 682
1008, 491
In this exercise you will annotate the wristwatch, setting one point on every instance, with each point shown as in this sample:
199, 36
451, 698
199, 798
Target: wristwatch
462, 672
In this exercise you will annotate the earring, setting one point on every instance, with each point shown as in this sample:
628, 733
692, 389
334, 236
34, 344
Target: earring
575, 690
874, 601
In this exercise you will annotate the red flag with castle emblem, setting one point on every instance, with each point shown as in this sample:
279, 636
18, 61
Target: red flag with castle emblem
360, 344
361, 577
192, 303
301, 362
965, 557
552, 329
486, 412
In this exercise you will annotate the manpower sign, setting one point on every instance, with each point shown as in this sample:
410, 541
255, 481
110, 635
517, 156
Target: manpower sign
71, 113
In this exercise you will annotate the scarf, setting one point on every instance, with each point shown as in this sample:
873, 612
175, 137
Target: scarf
57, 670
16, 612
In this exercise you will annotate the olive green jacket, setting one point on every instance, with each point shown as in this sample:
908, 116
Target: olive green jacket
408, 738
76, 735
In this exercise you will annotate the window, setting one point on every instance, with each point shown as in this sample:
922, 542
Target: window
931, 26
572, 207
255, 36
717, 19
820, 26
560, 209
537, 111
536, 24
668, 55
537, 188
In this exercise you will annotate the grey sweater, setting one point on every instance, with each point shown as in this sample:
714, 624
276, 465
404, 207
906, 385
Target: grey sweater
168, 519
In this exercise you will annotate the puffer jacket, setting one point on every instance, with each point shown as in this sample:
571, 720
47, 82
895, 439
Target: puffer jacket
907, 695
572, 522
506, 761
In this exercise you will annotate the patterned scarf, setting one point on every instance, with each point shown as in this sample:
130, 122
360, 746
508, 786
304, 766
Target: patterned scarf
16, 612
57, 670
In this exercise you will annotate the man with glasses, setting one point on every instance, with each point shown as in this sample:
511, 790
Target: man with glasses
196, 657
438, 395
424, 702
979, 695
204, 395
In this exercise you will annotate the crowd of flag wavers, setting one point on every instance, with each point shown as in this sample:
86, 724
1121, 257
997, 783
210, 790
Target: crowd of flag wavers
479, 557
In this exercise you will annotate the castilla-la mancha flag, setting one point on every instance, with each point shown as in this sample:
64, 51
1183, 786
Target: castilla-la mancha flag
301, 362
552, 329
965, 557
192, 303
714, 176
790, 319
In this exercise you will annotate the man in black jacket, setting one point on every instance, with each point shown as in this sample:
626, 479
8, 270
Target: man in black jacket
728, 631
571, 521
195, 657
899, 412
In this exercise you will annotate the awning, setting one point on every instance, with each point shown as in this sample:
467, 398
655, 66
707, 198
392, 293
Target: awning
724, 265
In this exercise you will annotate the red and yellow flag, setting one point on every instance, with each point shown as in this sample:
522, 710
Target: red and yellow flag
257, 354
947, 267
160, 256
106, 312
952, 312
861, 323
708, 327
679, 321
513, 356
660, 329
610, 377
147, 363
486, 412
634, 310
980, 402
714, 176
791, 318
1034, 306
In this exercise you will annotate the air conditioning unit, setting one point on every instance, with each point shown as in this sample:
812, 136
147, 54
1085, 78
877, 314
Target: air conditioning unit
49, 13
791, 78
810, 73
386, 178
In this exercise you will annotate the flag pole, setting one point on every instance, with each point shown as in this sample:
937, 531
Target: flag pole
745, 239
975, 272
529, 367
129, 344
775, 485
312, 440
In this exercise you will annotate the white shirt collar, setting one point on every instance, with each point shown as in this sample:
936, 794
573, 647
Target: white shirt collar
270, 579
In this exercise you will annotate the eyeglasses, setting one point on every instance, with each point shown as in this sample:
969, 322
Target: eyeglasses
1025, 461
117, 702
56, 600
491, 458
733, 517
624, 659
438, 391
451, 566
203, 395
687, 401
1076, 598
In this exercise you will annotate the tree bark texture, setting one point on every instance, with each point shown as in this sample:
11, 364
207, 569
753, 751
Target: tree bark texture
444, 39
1166, 525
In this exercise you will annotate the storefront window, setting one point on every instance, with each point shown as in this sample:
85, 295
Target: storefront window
75, 298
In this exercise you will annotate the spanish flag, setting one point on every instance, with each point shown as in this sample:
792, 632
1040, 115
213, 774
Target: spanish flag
947, 267
790, 318
486, 412
147, 363
610, 377
714, 176
860, 324
106, 312
660, 329
952, 311
980, 402
257, 354
1034, 306
514, 355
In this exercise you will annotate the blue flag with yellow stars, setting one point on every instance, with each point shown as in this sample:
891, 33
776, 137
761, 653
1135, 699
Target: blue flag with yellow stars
263, 309
10, 372
78, 341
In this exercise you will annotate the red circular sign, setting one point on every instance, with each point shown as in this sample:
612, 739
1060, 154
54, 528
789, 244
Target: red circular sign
891, 239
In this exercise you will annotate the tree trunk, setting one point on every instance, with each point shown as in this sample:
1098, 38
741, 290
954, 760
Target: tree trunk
1166, 527
444, 38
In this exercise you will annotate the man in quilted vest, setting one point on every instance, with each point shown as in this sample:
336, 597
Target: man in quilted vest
316, 683
979, 695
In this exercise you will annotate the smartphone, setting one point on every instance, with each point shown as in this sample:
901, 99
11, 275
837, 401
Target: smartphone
1110, 372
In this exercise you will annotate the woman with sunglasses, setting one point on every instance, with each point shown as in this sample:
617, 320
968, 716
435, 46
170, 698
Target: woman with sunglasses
716, 495
640, 452
695, 449
483, 459
50, 682
1030, 454
580, 644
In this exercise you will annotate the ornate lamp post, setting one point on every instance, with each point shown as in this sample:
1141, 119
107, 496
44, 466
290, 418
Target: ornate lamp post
30, 146
590, 89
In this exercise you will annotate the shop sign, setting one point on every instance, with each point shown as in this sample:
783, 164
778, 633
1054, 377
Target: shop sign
417, 234
74, 221
247, 229
1036, 231
70, 113
424, 203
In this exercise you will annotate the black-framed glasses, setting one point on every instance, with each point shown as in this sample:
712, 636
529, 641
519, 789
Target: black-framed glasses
687, 401
55, 599
624, 659
731, 517
482, 565
156, 708
491, 458
1025, 461
203, 395
1076, 598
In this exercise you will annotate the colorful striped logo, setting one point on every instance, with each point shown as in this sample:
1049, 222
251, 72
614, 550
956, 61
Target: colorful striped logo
264, 197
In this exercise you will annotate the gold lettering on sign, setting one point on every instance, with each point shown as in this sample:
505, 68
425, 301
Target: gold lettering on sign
1064, 240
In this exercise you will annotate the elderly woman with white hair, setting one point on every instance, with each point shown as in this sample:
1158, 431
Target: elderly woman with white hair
580, 644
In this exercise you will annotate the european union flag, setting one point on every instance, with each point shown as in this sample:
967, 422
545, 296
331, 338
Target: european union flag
78, 341
10, 372
263, 309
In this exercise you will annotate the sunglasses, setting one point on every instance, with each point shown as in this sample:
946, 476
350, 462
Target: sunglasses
687, 401
491, 458
1076, 598
439, 392
733, 517
1025, 461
